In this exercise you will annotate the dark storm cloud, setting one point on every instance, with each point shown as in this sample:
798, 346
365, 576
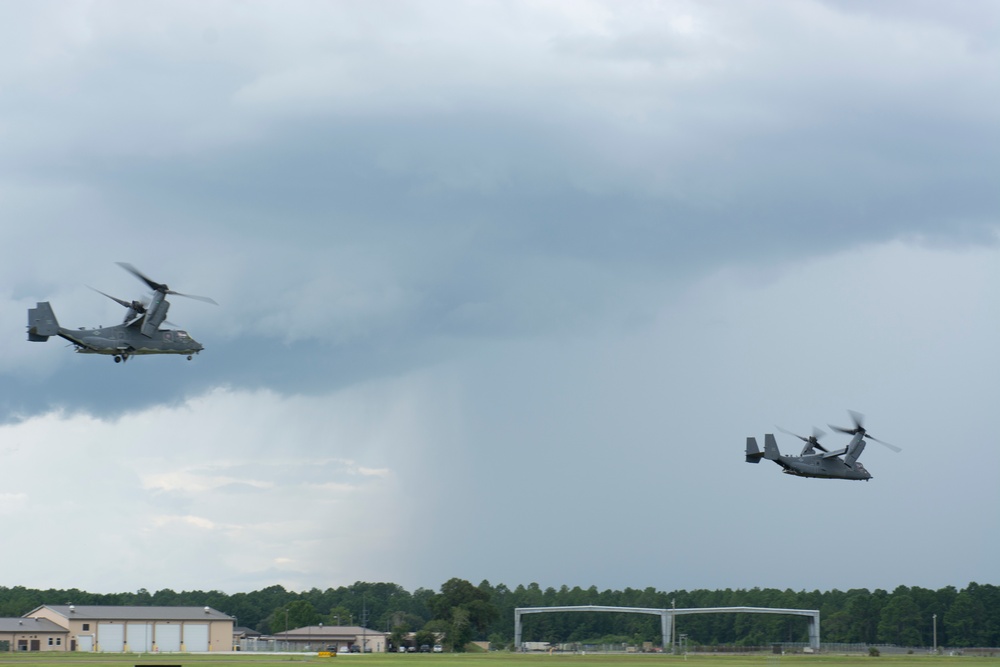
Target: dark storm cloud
876, 169
535, 252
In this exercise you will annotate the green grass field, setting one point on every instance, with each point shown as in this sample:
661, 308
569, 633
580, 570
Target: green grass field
483, 660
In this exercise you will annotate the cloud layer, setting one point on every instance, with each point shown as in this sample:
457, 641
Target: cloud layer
503, 287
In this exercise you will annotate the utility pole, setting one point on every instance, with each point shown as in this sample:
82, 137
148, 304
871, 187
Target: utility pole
935, 633
364, 623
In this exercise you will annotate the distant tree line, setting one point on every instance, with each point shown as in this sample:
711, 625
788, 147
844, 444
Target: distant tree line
464, 612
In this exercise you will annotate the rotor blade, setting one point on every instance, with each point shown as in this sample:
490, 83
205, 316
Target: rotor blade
802, 438
161, 287
859, 424
127, 304
817, 434
153, 285
885, 444
195, 296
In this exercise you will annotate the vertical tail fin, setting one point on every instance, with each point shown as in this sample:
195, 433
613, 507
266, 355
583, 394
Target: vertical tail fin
753, 453
42, 322
771, 452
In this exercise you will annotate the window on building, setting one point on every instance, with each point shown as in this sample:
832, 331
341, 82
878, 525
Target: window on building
50, 641
86, 626
58, 641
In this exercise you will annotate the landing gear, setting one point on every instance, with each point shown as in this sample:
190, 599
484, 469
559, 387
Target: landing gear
189, 357
118, 359
121, 357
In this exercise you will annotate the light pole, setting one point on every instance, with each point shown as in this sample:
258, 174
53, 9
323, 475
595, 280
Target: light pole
286, 629
673, 625
935, 632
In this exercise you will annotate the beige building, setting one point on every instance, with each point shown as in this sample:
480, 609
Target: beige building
110, 629
330, 638
32, 634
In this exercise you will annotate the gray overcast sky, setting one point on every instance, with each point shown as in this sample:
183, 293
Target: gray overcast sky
504, 287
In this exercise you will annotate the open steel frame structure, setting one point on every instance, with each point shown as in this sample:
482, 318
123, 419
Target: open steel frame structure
667, 617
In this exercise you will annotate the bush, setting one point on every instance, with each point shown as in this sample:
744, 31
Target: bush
873, 652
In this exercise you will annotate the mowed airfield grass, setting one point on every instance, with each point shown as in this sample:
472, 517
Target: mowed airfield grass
484, 660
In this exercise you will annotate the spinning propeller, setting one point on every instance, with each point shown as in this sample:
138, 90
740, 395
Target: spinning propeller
811, 441
159, 287
859, 427
135, 308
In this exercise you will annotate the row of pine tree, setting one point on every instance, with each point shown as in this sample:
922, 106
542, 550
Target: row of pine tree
905, 616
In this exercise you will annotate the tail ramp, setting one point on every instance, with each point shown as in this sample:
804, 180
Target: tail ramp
771, 452
753, 452
42, 322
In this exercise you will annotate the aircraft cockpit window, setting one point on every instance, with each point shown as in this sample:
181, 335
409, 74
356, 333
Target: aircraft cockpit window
182, 334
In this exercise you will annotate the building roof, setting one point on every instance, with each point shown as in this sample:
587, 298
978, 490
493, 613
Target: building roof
30, 625
320, 631
122, 613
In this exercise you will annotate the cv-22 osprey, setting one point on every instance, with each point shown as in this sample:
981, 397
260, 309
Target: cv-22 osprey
815, 460
139, 332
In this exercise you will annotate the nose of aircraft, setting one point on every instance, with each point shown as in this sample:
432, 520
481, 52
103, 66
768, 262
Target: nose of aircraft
195, 345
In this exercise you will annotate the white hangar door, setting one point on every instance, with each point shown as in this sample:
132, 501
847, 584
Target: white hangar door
168, 637
85, 643
110, 637
139, 637
195, 637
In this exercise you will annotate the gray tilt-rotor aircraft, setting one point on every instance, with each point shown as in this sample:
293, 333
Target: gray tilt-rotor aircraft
139, 332
824, 463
